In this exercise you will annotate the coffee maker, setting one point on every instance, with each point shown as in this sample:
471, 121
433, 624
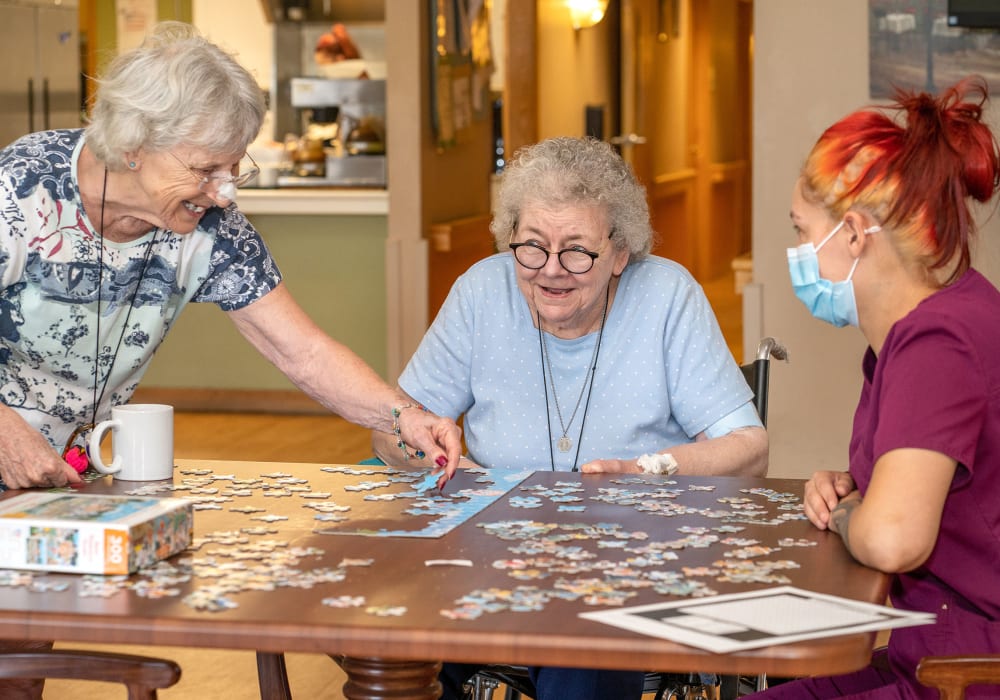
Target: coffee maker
344, 120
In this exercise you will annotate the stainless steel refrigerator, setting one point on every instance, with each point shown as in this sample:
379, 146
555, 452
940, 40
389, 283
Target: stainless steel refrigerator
39, 66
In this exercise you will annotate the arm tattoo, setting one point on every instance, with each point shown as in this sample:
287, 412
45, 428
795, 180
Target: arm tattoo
841, 516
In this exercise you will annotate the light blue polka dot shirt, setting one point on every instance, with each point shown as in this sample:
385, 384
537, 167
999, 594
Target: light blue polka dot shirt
664, 372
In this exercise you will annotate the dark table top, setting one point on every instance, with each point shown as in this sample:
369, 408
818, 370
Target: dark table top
282, 577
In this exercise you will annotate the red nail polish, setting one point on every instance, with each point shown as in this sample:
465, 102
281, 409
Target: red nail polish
441, 461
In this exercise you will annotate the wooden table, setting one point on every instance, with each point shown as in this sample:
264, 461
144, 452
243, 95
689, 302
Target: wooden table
398, 656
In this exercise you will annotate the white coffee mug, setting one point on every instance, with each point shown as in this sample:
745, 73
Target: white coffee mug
142, 444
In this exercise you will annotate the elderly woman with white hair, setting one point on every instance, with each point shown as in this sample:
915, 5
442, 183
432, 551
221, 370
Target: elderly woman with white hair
106, 233
574, 349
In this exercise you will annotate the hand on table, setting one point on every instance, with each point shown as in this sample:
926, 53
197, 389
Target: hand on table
822, 494
611, 466
27, 459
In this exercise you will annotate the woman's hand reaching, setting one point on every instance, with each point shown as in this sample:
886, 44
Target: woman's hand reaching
440, 439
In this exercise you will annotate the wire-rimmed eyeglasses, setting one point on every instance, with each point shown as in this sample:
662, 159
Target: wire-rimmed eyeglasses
575, 259
211, 180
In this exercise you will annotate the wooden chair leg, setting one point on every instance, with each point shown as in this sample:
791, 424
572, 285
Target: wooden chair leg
272, 676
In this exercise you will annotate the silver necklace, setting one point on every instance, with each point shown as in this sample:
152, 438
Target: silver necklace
565, 443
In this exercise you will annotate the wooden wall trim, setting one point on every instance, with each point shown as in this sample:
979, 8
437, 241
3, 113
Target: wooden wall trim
407, 37
194, 399
520, 106
674, 177
734, 170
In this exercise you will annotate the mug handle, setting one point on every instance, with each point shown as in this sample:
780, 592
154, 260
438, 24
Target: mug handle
94, 448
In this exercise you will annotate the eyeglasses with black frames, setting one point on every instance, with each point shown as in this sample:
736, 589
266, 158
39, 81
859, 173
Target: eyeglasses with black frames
575, 259
210, 180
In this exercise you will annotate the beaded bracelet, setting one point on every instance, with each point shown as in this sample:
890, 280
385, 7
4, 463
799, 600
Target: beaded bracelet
419, 454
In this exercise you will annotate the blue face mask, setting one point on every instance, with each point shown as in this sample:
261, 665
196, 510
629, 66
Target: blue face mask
828, 301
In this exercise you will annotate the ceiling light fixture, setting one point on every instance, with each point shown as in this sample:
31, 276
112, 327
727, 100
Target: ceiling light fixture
586, 13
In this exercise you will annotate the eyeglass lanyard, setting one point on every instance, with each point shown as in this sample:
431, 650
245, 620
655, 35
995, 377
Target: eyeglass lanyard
97, 398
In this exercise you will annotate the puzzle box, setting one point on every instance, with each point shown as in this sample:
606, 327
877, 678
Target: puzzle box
91, 534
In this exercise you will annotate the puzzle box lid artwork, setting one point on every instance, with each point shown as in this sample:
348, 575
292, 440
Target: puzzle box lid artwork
91, 534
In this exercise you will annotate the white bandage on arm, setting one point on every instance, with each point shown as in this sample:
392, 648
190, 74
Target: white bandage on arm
657, 464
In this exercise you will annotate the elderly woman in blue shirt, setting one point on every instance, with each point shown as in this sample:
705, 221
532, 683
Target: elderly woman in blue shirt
574, 349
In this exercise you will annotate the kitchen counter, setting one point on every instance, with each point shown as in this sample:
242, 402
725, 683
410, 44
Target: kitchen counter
314, 200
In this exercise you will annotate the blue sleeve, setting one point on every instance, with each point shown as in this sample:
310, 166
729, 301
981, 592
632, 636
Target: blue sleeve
439, 375
743, 417
704, 383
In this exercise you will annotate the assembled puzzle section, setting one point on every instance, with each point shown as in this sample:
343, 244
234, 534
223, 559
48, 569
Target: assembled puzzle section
91, 534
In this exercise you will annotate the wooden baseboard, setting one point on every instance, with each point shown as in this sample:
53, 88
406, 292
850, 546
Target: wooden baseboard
231, 400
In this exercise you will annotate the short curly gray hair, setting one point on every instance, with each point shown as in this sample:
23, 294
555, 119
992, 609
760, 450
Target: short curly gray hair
177, 87
567, 171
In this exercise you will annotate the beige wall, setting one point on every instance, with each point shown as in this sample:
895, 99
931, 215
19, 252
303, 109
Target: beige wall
811, 68
238, 26
573, 72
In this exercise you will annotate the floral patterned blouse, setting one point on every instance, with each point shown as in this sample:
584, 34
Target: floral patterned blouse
62, 339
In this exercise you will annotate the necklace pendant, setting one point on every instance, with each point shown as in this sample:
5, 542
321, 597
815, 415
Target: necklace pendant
564, 444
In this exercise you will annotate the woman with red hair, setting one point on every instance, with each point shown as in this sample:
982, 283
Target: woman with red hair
882, 214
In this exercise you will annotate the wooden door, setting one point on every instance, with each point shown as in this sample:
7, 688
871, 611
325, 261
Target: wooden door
686, 124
